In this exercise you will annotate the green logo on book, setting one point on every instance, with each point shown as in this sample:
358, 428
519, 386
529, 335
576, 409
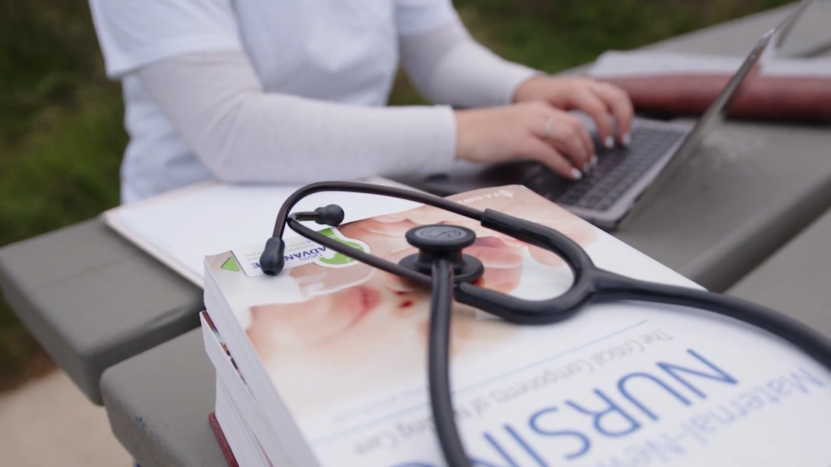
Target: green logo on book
230, 265
337, 260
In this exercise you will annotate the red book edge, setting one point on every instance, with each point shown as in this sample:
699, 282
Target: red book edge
223, 443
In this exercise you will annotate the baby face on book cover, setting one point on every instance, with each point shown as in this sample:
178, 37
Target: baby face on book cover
361, 329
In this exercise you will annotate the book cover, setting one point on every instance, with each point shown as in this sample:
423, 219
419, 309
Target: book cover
620, 384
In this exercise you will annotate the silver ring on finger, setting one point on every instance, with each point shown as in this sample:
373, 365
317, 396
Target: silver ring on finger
546, 131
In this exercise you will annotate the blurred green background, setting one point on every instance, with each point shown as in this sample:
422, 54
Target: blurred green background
61, 132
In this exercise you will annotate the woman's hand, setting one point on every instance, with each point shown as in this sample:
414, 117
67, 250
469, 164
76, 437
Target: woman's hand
600, 101
533, 130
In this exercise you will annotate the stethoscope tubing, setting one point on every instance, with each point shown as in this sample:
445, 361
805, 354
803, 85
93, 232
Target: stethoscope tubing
381, 190
438, 365
592, 285
595, 285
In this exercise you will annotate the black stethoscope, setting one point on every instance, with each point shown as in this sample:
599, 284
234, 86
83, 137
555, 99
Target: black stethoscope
441, 265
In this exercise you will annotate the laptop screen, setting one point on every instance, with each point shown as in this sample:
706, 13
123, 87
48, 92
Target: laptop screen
717, 111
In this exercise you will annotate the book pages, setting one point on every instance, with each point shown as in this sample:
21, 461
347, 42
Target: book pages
181, 227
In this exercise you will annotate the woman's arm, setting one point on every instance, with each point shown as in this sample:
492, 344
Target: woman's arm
449, 67
242, 134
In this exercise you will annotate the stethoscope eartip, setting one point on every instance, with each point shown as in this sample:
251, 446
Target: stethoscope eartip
272, 259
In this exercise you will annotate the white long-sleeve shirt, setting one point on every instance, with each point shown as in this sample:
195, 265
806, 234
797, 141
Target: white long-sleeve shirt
262, 91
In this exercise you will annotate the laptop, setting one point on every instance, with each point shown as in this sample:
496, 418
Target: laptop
625, 179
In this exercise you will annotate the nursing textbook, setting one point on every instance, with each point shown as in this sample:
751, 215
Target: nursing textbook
325, 364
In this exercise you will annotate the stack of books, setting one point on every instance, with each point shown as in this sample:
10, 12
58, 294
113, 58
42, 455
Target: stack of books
325, 364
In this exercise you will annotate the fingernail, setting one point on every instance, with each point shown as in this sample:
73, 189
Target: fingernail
594, 160
575, 174
609, 142
627, 139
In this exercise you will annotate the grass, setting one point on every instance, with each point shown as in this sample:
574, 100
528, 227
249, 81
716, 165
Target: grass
61, 133
60, 175
61, 140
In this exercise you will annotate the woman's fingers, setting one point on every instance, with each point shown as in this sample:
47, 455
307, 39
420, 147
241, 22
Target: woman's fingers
588, 101
583, 133
534, 130
544, 153
601, 101
569, 136
618, 101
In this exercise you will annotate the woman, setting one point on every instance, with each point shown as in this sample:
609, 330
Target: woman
281, 91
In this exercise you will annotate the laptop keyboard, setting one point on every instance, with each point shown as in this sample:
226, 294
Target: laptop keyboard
617, 170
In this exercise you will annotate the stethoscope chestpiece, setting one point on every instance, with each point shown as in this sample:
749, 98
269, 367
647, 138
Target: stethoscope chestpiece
440, 241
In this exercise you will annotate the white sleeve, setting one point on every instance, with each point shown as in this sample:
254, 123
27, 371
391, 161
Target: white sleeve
450, 67
134, 33
413, 17
242, 134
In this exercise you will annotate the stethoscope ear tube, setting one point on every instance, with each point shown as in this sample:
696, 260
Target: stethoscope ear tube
359, 255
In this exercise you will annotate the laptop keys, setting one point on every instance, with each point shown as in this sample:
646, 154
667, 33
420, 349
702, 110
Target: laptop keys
617, 170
